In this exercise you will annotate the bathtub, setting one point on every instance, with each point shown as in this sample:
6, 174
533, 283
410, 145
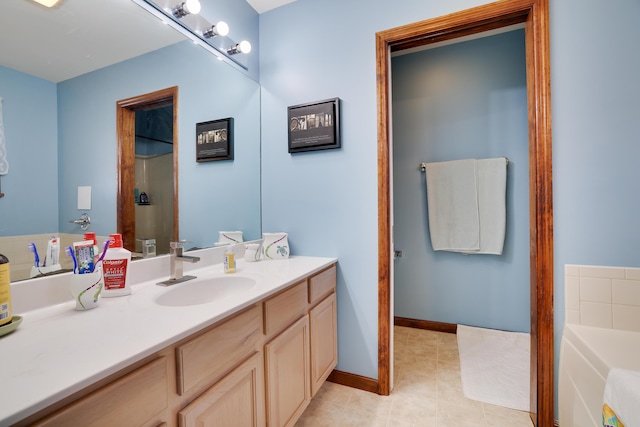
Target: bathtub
586, 356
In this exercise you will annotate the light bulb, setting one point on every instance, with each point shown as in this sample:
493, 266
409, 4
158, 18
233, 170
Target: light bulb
185, 8
244, 46
192, 6
220, 29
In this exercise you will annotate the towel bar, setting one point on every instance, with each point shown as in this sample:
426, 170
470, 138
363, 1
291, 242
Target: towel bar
423, 165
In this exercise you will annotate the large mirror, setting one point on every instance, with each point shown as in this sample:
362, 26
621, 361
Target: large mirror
61, 132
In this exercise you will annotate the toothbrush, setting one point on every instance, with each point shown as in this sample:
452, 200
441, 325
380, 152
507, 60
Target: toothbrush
32, 248
69, 251
104, 251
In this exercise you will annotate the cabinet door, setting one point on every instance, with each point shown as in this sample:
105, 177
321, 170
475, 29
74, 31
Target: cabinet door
236, 400
287, 364
324, 341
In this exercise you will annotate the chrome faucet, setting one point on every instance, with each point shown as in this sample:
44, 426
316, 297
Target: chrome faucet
176, 258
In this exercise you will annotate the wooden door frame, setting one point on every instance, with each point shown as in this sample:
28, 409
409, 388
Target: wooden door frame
126, 130
535, 16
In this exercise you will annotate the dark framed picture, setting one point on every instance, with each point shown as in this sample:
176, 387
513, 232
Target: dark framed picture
314, 126
214, 140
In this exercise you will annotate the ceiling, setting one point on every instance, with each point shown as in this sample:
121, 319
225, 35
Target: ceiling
78, 36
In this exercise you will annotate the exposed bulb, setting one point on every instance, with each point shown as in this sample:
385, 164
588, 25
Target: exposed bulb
220, 29
186, 7
242, 47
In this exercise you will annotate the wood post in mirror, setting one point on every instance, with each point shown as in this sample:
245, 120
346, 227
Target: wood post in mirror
126, 124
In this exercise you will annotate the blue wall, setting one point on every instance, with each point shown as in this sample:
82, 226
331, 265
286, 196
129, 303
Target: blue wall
30, 130
467, 100
328, 200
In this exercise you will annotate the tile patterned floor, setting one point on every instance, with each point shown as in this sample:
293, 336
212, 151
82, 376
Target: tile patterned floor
428, 392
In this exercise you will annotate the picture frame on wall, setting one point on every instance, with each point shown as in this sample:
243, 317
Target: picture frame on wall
214, 140
314, 126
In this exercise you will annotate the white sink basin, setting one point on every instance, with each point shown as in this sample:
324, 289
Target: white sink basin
204, 290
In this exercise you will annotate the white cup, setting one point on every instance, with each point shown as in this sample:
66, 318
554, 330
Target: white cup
86, 289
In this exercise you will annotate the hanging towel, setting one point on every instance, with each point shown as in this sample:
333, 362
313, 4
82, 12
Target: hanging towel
463, 193
452, 198
4, 164
492, 205
621, 397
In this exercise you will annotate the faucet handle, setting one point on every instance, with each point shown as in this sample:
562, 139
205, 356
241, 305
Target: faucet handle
178, 245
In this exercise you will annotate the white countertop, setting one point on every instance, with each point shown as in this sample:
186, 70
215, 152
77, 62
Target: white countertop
58, 351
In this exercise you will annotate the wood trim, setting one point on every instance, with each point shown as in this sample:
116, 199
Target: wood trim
429, 325
353, 380
125, 128
535, 15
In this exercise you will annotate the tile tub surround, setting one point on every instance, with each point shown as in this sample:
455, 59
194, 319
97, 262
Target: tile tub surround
604, 297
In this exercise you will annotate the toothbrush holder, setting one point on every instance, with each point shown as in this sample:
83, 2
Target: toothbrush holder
86, 289
275, 245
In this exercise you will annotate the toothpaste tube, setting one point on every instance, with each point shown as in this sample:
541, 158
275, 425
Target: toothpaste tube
84, 256
52, 257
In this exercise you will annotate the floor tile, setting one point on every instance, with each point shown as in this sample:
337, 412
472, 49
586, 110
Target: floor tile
428, 392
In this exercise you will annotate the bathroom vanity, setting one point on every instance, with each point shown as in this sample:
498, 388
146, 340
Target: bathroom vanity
249, 356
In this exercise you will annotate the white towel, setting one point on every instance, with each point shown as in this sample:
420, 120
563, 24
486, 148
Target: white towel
4, 164
458, 201
453, 205
622, 394
492, 204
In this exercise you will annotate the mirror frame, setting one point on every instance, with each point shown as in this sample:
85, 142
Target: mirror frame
126, 132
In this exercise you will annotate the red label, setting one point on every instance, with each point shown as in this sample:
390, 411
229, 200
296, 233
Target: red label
115, 273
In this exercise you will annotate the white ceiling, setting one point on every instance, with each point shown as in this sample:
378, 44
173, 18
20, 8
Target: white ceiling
265, 5
79, 36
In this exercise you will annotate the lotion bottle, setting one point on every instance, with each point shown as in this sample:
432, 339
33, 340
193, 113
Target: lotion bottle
5, 292
229, 261
115, 265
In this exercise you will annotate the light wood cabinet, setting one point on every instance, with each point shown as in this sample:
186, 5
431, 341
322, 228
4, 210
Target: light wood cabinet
133, 400
323, 330
236, 400
259, 367
210, 355
287, 369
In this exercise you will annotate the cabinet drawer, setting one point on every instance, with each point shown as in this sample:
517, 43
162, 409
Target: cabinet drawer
131, 400
285, 308
236, 400
322, 284
212, 354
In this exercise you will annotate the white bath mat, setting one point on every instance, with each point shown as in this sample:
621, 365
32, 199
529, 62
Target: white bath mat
494, 366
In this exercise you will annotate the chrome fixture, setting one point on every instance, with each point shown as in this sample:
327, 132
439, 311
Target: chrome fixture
220, 29
84, 222
198, 29
242, 47
176, 258
185, 8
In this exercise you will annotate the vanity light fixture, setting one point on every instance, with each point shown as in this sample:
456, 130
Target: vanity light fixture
211, 36
47, 3
220, 29
242, 47
185, 8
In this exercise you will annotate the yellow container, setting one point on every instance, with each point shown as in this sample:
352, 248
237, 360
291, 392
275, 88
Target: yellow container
5, 292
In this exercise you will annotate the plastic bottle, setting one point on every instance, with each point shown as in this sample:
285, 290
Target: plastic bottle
5, 292
115, 265
91, 236
229, 261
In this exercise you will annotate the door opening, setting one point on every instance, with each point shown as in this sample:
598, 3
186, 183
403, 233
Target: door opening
534, 14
